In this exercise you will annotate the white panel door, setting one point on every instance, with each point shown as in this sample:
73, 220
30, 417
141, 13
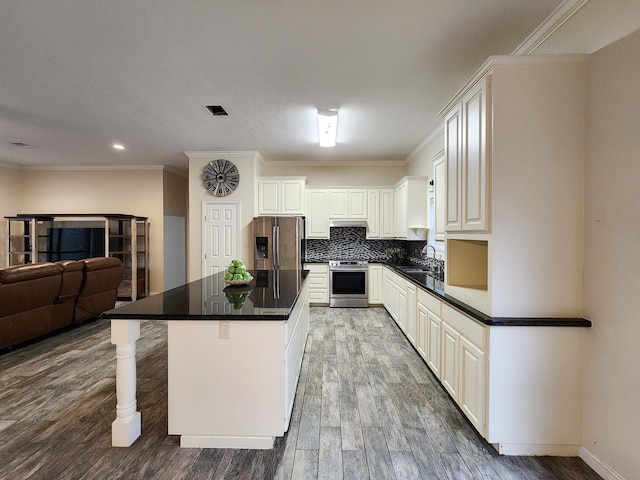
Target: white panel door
221, 236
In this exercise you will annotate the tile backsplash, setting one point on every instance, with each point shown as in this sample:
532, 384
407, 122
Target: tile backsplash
350, 243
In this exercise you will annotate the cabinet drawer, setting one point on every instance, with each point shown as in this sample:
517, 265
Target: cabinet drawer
318, 280
318, 296
429, 301
317, 267
472, 330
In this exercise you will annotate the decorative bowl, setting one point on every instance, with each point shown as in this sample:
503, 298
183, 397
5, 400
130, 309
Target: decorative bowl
239, 282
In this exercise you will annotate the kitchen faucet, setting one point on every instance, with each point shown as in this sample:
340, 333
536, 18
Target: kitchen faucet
433, 266
425, 251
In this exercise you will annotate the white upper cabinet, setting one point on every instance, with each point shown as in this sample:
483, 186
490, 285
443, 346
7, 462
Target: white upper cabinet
466, 153
440, 192
348, 203
386, 213
317, 221
281, 196
411, 209
373, 213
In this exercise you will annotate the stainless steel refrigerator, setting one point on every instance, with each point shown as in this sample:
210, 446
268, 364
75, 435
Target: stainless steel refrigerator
279, 243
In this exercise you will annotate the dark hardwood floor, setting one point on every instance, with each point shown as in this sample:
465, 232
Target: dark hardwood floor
366, 407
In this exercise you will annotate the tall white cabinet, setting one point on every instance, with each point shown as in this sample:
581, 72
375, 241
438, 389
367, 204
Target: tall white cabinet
514, 173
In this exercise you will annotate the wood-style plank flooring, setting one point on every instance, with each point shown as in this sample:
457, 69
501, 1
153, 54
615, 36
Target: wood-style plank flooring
367, 408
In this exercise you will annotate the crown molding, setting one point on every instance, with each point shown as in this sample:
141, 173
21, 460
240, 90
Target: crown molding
9, 165
439, 130
66, 168
553, 22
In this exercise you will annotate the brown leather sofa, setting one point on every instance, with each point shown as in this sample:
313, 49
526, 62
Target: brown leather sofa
38, 299
99, 290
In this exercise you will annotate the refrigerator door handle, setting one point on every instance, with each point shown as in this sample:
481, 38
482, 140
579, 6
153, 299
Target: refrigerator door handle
276, 246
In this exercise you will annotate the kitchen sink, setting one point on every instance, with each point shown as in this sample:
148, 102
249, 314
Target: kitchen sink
412, 269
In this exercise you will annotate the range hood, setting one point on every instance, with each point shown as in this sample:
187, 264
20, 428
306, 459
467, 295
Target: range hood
348, 223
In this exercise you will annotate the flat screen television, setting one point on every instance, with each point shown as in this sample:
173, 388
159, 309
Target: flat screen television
75, 243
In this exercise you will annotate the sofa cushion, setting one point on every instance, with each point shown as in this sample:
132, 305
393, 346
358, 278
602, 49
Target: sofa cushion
99, 291
28, 287
64, 308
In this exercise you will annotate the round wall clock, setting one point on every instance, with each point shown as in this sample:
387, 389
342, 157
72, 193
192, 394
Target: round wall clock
220, 177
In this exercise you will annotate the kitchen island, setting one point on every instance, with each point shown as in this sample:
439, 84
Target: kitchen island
234, 358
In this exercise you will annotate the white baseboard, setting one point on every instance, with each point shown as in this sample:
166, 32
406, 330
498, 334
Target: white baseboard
537, 449
600, 467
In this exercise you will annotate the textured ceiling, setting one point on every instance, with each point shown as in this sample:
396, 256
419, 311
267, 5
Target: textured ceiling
77, 76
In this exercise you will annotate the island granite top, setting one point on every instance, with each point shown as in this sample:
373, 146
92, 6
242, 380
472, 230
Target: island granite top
271, 295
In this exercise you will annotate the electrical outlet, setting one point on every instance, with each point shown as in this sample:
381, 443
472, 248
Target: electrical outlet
225, 330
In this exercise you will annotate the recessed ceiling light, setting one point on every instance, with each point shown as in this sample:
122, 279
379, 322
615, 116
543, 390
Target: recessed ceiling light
117, 146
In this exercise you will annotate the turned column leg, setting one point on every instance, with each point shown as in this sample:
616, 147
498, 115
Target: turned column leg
126, 428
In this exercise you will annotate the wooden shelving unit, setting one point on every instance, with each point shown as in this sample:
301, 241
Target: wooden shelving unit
126, 238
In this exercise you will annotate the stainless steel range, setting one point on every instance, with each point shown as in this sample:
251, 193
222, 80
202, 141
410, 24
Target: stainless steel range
348, 283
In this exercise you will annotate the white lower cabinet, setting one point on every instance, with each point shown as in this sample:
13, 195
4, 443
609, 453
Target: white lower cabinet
394, 297
411, 319
519, 386
318, 283
453, 345
433, 327
449, 343
472, 390
374, 284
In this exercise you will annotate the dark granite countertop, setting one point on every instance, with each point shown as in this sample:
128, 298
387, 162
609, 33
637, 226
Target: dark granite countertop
271, 295
436, 287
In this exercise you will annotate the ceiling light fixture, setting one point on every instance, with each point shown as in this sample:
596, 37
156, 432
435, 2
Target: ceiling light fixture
327, 127
117, 146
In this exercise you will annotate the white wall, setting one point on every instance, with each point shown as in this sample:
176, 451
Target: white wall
66, 190
10, 203
340, 176
246, 162
612, 257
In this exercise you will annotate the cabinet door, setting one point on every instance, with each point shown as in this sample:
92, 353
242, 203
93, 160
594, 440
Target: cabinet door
317, 221
474, 158
292, 202
269, 197
450, 342
400, 211
440, 192
386, 213
357, 199
422, 339
401, 306
373, 213
388, 293
472, 391
433, 342
412, 320
374, 280
339, 204
453, 160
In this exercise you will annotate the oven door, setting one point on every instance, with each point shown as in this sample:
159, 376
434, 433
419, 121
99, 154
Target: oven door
348, 287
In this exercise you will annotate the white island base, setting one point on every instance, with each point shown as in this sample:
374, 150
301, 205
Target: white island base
234, 392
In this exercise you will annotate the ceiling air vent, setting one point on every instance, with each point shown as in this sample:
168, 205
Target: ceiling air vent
20, 144
217, 110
